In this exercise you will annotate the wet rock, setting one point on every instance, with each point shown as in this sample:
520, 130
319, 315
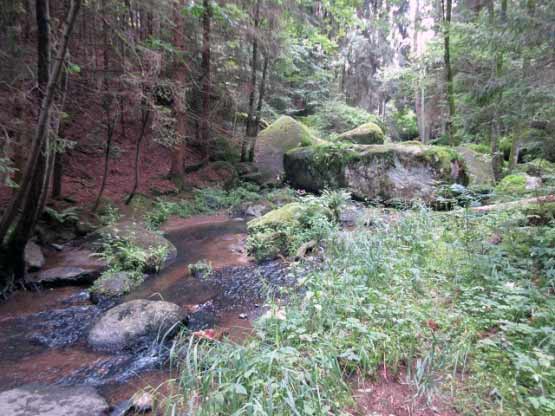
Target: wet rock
34, 259
40, 400
139, 236
131, 323
60, 276
142, 402
252, 210
61, 327
111, 285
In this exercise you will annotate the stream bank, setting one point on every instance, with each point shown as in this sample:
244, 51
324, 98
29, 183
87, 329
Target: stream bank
45, 331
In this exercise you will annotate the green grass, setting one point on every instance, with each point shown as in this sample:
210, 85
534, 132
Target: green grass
471, 323
203, 201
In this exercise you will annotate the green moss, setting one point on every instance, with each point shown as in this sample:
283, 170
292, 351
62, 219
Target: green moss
515, 183
368, 133
442, 157
335, 117
283, 230
479, 148
288, 132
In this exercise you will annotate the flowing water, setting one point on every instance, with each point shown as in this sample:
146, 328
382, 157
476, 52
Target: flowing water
43, 333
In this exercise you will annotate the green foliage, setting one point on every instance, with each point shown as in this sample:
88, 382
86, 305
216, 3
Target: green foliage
479, 148
67, 215
512, 184
286, 229
204, 201
335, 117
201, 268
122, 255
425, 293
404, 123
7, 170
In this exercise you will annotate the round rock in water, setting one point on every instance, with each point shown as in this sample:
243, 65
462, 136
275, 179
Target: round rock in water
38, 400
126, 325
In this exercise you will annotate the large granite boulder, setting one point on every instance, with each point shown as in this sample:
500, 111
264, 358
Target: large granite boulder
368, 133
479, 167
284, 134
132, 323
386, 173
40, 400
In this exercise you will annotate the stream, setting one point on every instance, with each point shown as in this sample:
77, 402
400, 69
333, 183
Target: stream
44, 332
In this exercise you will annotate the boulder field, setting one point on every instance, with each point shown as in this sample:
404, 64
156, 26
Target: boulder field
385, 173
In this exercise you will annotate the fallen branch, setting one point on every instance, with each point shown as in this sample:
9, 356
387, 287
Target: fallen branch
516, 204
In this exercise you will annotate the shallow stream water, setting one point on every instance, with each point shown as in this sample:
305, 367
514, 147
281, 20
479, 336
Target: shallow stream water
43, 333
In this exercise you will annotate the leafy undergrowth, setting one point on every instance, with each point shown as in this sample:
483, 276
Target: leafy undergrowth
471, 322
210, 200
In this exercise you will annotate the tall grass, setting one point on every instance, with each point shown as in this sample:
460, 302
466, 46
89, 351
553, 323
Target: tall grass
469, 321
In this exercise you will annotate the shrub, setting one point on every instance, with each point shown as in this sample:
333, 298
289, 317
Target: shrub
335, 117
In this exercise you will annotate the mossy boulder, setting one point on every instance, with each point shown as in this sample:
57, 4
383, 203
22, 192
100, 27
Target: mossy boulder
271, 234
479, 166
152, 243
282, 135
518, 183
376, 172
368, 133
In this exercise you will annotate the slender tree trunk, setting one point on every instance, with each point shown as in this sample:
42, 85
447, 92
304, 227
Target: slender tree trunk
446, 10
251, 127
177, 172
25, 207
110, 124
497, 156
261, 92
205, 68
145, 116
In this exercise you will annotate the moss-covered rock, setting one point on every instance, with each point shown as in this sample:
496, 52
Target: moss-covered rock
518, 183
479, 166
271, 144
377, 172
274, 233
150, 242
368, 133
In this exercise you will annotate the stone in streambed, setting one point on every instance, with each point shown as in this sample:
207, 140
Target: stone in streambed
41, 400
145, 239
34, 259
130, 323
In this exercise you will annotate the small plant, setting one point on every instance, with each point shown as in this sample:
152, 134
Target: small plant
201, 269
110, 215
68, 215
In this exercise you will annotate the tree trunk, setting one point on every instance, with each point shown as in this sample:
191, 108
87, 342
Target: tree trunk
177, 172
23, 212
145, 115
205, 68
497, 156
446, 11
110, 125
251, 129
259, 106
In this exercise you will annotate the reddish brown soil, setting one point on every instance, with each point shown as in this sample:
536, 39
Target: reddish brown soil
84, 165
391, 395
